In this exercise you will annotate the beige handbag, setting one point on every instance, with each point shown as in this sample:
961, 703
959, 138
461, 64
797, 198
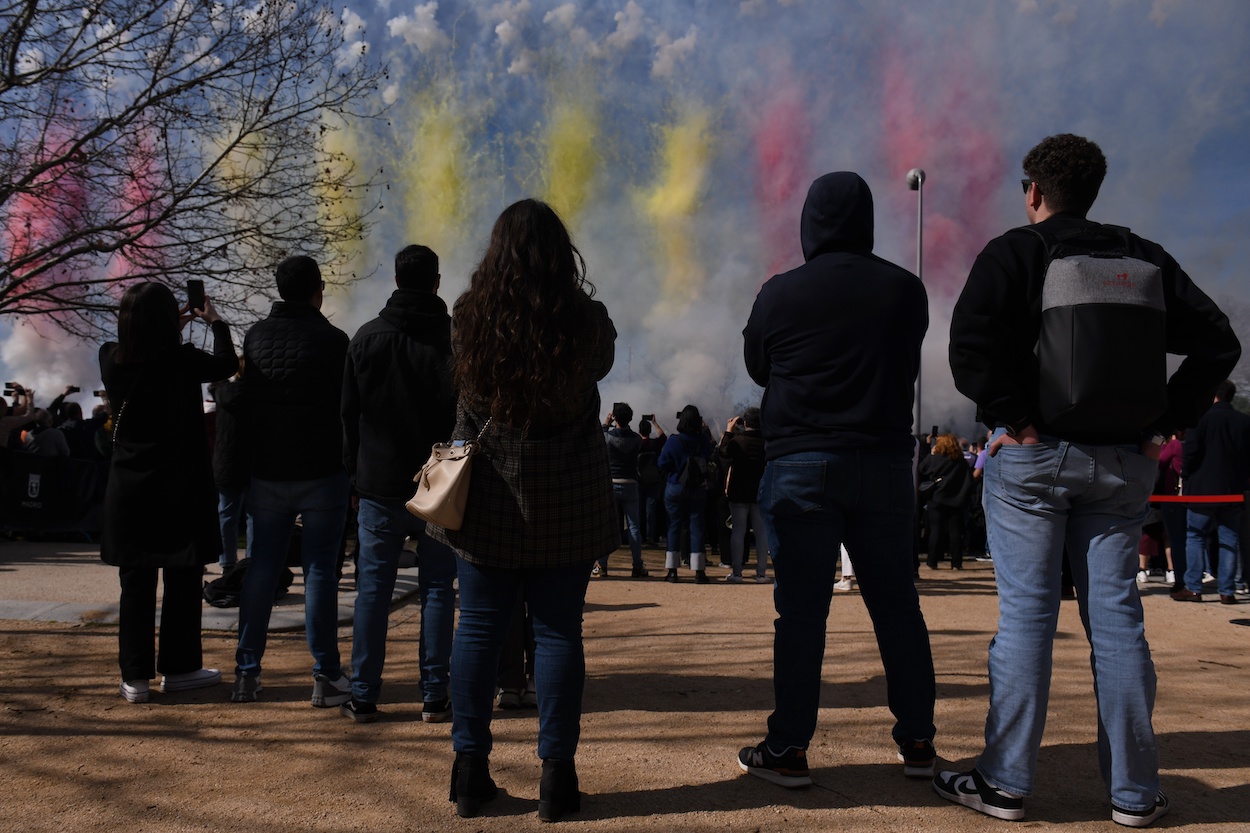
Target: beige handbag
443, 483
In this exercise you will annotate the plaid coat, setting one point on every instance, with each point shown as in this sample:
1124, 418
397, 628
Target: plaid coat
543, 502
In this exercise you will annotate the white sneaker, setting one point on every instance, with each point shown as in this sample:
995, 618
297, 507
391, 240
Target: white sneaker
845, 585
1142, 576
135, 691
1207, 578
202, 678
1169, 577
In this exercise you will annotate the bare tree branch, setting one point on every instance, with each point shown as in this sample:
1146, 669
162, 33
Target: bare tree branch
164, 141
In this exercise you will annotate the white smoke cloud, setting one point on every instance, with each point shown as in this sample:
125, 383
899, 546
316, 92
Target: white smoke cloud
420, 30
563, 16
670, 52
630, 26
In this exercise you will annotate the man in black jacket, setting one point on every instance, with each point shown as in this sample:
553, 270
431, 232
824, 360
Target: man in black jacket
1052, 481
1216, 461
293, 374
836, 345
623, 448
398, 401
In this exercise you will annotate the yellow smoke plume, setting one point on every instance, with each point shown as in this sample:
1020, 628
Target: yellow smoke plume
670, 205
571, 158
434, 175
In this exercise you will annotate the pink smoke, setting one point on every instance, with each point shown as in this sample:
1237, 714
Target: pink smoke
782, 146
950, 132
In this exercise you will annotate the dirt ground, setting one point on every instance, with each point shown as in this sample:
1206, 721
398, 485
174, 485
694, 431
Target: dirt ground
679, 679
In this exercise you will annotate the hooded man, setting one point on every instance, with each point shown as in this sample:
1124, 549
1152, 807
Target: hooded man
836, 345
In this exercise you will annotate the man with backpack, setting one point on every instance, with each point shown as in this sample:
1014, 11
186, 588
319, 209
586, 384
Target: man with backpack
1060, 338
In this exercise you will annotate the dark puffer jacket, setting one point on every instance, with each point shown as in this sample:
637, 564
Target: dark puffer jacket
293, 383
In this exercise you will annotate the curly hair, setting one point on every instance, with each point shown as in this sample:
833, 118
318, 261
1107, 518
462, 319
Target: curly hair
519, 330
1068, 170
947, 445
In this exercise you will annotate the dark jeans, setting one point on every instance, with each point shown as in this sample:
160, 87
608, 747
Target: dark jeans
813, 503
180, 651
488, 597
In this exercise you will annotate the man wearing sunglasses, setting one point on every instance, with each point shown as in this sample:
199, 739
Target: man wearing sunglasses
1054, 480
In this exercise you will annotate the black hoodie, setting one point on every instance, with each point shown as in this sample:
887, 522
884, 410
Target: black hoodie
836, 342
397, 394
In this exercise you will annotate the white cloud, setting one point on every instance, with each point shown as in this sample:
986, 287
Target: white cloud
390, 94
513, 11
507, 32
421, 30
562, 15
670, 52
630, 24
523, 64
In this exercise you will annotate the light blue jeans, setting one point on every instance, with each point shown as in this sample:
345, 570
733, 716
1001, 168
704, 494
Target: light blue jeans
1093, 499
383, 527
273, 506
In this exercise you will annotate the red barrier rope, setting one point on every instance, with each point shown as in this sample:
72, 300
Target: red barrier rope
1197, 498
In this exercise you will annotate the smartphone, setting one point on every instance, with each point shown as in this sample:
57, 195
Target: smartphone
649, 417
195, 294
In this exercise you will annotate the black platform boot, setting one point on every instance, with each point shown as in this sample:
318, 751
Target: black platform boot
471, 784
558, 794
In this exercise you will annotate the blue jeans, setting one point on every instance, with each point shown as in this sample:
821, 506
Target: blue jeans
1174, 520
231, 510
383, 528
741, 512
652, 498
273, 506
688, 507
813, 503
627, 499
556, 598
1222, 522
1093, 499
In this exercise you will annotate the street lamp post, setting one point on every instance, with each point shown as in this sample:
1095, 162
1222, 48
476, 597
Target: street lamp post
915, 181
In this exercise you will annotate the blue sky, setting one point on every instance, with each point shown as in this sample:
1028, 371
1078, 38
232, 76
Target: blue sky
702, 123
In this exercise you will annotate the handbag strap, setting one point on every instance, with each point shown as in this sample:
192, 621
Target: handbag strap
482, 433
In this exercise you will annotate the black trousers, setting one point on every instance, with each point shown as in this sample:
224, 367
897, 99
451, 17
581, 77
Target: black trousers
946, 535
180, 651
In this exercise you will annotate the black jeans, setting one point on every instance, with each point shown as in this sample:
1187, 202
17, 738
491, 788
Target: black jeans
946, 535
180, 650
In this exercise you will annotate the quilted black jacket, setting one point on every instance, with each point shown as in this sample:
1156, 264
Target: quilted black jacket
293, 383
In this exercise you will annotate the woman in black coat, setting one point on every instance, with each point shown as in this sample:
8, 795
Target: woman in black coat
950, 477
160, 506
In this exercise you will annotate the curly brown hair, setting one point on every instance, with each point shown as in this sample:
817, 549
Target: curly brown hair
1069, 170
519, 330
947, 445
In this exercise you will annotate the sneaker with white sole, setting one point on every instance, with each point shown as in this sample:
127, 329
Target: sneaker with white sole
969, 789
245, 689
788, 768
846, 585
1170, 577
436, 711
918, 757
1142, 576
1140, 818
203, 678
328, 693
135, 691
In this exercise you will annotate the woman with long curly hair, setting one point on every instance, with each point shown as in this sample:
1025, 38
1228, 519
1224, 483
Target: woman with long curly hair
530, 345
947, 498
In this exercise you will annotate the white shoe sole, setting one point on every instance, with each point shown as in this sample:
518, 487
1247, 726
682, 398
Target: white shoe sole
132, 696
973, 800
204, 681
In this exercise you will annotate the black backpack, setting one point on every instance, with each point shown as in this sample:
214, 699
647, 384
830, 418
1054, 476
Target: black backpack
1102, 344
227, 589
693, 474
648, 470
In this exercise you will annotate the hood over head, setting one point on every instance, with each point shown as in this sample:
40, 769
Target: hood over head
837, 216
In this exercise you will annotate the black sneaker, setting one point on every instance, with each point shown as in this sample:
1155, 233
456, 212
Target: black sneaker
436, 711
359, 711
1140, 818
969, 789
917, 756
789, 769
639, 572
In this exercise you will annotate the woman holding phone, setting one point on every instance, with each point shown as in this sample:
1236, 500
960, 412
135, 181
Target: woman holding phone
160, 506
